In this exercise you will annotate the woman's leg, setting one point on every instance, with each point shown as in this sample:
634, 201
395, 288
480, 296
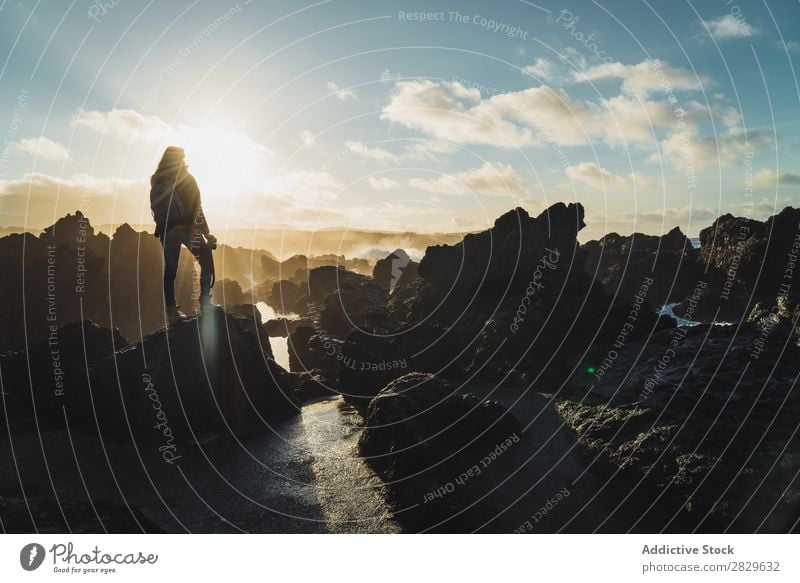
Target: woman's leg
206, 272
172, 255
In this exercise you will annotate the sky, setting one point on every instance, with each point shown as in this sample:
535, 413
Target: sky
424, 116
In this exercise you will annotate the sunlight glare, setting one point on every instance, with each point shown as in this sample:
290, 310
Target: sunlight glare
224, 162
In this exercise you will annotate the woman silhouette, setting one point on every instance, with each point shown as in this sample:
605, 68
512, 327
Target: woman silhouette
178, 213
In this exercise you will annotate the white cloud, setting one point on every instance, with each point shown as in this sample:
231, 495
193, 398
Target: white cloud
223, 159
491, 178
542, 70
768, 178
128, 124
656, 221
597, 178
304, 188
367, 153
42, 147
124, 124
428, 150
388, 75
37, 200
534, 116
308, 138
450, 111
382, 183
728, 26
343, 94
790, 45
642, 79
37, 181
690, 151
574, 58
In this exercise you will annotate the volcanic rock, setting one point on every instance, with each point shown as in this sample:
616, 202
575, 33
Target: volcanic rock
51, 380
421, 434
701, 425
395, 269
623, 263
513, 301
204, 375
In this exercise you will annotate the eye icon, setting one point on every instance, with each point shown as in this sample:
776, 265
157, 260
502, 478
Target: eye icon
31, 556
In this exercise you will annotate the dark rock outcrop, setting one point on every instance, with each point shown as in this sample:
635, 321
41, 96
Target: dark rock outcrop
204, 375
357, 307
396, 269
514, 300
700, 425
623, 263
71, 273
313, 384
422, 434
60, 515
288, 296
283, 327
322, 281
311, 348
747, 262
228, 293
51, 380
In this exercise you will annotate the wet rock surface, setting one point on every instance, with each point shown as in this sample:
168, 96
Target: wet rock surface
202, 375
702, 424
420, 435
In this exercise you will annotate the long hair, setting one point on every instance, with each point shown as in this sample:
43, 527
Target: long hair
170, 166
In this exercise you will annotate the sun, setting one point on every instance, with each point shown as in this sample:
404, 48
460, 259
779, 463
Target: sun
224, 161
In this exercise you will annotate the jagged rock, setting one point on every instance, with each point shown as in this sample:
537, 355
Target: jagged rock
51, 380
322, 281
768, 314
249, 318
228, 293
348, 302
288, 269
355, 308
395, 269
747, 262
310, 348
703, 420
313, 384
201, 375
623, 263
288, 296
370, 362
421, 434
514, 301
73, 274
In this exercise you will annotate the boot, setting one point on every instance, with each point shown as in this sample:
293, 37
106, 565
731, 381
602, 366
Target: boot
206, 304
174, 314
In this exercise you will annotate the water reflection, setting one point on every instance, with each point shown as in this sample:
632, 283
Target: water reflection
280, 346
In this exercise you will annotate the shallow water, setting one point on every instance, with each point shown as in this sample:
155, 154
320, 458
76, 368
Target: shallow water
351, 496
302, 475
668, 310
280, 346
